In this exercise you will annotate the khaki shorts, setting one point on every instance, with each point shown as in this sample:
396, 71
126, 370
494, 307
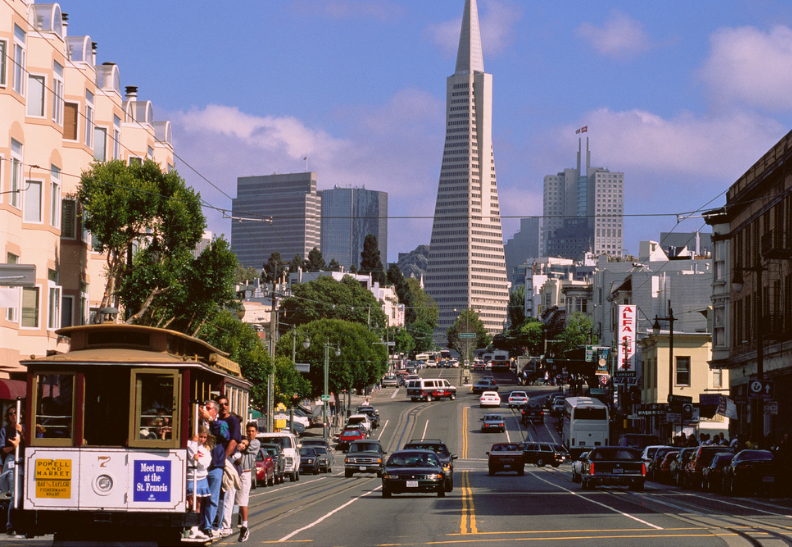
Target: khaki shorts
243, 494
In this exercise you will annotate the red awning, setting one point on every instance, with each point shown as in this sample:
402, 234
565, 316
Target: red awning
11, 389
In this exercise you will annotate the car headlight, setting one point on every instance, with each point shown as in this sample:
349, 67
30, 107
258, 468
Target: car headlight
308, 461
389, 476
347, 460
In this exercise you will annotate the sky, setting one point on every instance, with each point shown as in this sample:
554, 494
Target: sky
683, 97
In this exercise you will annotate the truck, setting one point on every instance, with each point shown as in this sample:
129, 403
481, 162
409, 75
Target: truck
500, 361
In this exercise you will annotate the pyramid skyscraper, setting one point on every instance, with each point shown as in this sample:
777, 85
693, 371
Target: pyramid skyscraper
466, 266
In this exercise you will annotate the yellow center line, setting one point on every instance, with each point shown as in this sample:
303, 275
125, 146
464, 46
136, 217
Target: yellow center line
468, 521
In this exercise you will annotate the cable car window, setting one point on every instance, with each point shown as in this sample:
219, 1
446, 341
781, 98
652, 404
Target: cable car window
156, 416
54, 410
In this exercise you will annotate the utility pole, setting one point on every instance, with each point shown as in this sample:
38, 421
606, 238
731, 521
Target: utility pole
271, 380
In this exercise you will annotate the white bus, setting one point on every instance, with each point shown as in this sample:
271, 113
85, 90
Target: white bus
586, 424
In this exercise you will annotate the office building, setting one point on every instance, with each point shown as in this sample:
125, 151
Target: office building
466, 267
522, 245
348, 216
275, 213
583, 211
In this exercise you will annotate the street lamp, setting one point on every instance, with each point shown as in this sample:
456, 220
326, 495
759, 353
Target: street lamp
757, 428
306, 344
656, 331
326, 395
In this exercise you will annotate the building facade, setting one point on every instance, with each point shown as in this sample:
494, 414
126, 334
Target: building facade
60, 112
348, 216
583, 211
466, 267
523, 245
275, 213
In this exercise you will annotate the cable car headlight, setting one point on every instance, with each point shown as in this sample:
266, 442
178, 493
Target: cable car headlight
103, 484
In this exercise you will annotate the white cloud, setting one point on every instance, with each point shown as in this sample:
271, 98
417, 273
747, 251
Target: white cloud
383, 10
751, 67
497, 25
621, 37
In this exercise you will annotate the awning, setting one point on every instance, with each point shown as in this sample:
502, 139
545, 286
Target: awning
11, 389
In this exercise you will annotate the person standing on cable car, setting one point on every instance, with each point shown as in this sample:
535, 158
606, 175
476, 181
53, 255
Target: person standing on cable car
226, 509
11, 437
219, 431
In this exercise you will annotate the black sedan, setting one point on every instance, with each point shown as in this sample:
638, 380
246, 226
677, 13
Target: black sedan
749, 471
311, 461
413, 471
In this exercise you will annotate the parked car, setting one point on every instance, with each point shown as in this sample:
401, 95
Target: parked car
701, 458
750, 471
274, 451
677, 468
350, 434
265, 469
712, 475
485, 384
288, 442
413, 471
532, 412
361, 419
542, 454
517, 398
653, 472
489, 398
317, 441
648, 455
364, 456
444, 455
613, 465
372, 414
311, 460
663, 470
505, 457
493, 422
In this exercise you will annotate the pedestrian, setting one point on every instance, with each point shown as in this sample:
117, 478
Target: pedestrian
199, 457
218, 432
11, 438
249, 447
223, 518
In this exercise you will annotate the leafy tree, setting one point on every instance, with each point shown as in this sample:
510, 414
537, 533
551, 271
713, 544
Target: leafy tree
395, 278
468, 321
326, 298
578, 331
405, 343
418, 305
315, 262
530, 335
362, 360
125, 206
516, 310
423, 334
370, 260
334, 266
242, 274
274, 268
297, 263
353, 268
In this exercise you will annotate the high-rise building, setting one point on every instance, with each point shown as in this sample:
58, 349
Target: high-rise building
522, 245
348, 216
583, 211
466, 266
292, 204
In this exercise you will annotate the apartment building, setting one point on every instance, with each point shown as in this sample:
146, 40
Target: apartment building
60, 112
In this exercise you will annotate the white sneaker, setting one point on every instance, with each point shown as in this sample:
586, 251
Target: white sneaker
215, 534
225, 532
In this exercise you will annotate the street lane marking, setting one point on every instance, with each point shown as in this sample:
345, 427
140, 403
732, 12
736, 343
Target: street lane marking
395, 393
330, 514
464, 432
468, 509
426, 426
382, 430
599, 503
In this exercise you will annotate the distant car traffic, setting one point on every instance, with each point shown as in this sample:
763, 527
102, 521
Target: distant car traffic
493, 422
532, 412
489, 398
413, 471
517, 398
485, 384
350, 434
390, 381
505, 457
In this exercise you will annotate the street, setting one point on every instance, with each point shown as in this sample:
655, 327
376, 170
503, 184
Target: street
543, 507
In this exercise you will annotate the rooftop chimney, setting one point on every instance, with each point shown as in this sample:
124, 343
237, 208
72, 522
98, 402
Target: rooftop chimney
93, 52
64, 23
131, 92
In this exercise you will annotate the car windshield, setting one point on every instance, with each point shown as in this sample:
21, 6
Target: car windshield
493, 417
307, 452
413, 459
364, 447
614, 454
351, 433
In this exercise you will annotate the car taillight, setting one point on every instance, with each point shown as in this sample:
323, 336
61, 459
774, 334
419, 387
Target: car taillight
591, 469
643, 469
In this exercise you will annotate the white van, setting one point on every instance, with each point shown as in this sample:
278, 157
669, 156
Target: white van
291, 451
428, 389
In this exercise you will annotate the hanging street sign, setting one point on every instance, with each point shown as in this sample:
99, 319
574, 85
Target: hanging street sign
467, 335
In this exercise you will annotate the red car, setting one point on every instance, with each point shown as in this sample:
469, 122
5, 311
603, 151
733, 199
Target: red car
348, 435
265, 469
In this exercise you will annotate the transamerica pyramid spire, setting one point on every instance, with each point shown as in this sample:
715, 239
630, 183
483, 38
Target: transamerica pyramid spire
469, 56
467, 268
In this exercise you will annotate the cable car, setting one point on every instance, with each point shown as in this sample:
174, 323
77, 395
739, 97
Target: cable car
106, 431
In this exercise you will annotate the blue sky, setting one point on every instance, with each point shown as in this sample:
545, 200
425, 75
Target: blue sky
681, 96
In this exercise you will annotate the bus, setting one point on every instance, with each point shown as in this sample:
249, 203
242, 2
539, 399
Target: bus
586, 425
500, 361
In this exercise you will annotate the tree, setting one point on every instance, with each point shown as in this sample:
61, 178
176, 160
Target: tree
396, 278
468, 322
353, 268
362, 360
334, 266
315, 262
404, 342
370, 260
274, 268
138, 205
296, 264
516, 310
423, 334
242, 274
326, 298
578, 331
419, 306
